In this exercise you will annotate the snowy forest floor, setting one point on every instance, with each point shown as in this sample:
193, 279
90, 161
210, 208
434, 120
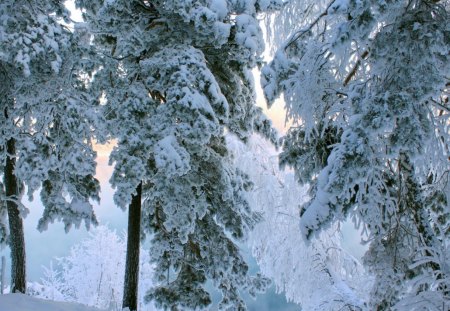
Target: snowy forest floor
20, 302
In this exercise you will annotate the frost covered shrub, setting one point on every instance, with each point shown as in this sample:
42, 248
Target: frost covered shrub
318, 276
92, 273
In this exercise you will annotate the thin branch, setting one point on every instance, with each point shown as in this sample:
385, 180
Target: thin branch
352, 73
302, 32
286, 214
441, 106
117, 58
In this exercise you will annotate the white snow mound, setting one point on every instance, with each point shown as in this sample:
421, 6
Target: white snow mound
20, 302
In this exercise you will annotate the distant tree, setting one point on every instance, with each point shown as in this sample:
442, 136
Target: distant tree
179, 78
318, 276
100, 259
367, 83
50, 287
45, 124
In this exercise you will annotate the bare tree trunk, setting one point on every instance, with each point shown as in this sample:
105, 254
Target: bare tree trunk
16, 239
130, 291
2, 282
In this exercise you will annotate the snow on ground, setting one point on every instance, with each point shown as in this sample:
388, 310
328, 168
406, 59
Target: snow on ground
20, 302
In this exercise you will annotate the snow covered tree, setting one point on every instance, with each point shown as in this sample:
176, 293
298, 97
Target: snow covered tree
367, 83
100, 259
179, 78
46, 128
318, 276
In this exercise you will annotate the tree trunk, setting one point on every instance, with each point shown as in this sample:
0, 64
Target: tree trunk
16, 237
130, 291
2, 280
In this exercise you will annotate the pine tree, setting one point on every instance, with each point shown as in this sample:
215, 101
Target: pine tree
46, 126
179, 78
385, 66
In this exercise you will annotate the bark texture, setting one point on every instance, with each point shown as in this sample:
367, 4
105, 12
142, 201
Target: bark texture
130, 291
16, 239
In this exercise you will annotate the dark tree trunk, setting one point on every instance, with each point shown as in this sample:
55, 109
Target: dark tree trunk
130, 291
16, 239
